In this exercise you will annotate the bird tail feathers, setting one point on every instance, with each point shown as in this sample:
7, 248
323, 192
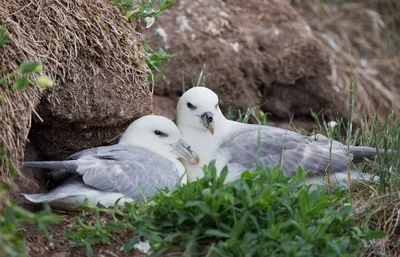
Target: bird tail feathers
57, 202
342, 177
361, 152
70, 166
40, 198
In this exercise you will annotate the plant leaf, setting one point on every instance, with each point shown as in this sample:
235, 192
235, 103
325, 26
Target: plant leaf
21, 83
29, 67
375, 235
216, 233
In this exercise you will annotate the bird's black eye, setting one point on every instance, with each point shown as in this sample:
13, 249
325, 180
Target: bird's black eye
160, 133
191, 106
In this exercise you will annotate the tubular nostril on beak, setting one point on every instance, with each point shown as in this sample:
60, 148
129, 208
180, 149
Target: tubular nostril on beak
207, 116
208, 121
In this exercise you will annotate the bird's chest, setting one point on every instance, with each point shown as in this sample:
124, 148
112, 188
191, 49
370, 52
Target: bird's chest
181, 170
204, 144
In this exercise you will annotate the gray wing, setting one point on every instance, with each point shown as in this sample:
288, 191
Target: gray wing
59, 176
242, 148
127, 170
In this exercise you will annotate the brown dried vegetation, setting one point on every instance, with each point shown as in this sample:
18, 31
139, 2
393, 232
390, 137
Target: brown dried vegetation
97, 62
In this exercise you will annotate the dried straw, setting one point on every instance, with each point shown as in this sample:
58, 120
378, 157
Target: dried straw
73, 40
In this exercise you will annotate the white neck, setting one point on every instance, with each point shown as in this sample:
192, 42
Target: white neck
205, 144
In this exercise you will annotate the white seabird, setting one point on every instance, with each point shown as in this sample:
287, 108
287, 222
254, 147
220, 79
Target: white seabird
240, 146
146, 158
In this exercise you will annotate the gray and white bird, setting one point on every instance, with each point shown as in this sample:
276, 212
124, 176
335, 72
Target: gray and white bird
147, 158
240, 146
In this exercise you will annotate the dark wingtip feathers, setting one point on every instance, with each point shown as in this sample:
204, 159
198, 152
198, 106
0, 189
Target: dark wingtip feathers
362, 152
70, 166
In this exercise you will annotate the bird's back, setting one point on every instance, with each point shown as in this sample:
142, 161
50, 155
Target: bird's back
250, 144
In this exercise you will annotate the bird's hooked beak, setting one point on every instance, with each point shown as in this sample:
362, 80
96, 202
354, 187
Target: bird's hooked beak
183, 150
208, 121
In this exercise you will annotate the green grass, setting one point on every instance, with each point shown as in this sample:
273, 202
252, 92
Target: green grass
3, 37
12, 217
264, 211
155, 60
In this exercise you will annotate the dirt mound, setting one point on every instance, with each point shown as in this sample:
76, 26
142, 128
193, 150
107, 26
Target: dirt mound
97, 62
256, 53
362, 37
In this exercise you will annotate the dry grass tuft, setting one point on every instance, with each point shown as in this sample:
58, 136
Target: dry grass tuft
74, 40
357, 36
15, 121
363, 37
380, 212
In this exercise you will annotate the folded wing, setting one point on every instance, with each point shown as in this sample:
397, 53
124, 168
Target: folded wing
128, 170
252, 144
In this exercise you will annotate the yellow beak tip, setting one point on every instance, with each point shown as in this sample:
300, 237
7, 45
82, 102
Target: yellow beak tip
197, 160
212, 129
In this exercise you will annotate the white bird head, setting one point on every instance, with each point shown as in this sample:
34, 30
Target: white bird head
159, 135
198, 108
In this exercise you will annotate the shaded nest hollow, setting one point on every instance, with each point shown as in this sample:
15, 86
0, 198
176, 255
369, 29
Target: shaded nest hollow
97, 62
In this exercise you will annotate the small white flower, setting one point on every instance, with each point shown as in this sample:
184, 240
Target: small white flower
332, 124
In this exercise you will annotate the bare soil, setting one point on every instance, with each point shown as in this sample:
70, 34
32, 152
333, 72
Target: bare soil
256, 54
58, 245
